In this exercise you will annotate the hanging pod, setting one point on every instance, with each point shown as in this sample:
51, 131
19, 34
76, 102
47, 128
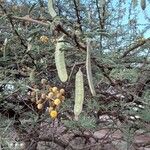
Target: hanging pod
79, 94
51, 8
88, 68
60, 59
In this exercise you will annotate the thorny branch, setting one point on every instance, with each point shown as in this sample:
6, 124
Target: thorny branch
72, 36
15, 31
13, 27
58, 28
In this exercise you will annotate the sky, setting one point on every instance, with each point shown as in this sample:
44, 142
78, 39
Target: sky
141, 16
142, 20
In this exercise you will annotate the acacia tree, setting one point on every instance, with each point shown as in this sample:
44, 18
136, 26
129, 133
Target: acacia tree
104, 40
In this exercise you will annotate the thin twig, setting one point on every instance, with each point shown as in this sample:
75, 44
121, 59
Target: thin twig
134, 46
75, 64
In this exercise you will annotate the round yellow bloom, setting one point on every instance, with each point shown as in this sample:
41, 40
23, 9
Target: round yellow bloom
54, 89
43, 95
53, 114
44, 39
62, 91
50, 95
57, 102
40, 106
43, 81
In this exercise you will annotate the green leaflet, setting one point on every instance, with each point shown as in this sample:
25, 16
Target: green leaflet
88, 68
60, 60
79, 94
51, 8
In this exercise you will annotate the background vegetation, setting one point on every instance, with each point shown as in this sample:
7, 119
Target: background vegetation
118, 117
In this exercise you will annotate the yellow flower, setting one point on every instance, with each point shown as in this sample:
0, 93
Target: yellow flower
53, 114
44, 39
43, 95
57, 102
40, 106
50, 95
54, 89
62, 91
43, 81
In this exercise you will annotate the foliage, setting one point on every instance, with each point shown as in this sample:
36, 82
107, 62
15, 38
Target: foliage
116, 69
84, 123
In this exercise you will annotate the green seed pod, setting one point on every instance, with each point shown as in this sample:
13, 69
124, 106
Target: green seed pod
51, 8
88, 68
79, 94
60, 60
143, 4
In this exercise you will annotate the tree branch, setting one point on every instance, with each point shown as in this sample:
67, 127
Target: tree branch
77, 14
58, 28
13, 27
133, 47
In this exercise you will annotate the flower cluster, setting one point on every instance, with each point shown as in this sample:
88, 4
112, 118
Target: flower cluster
47, 95
44, 39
